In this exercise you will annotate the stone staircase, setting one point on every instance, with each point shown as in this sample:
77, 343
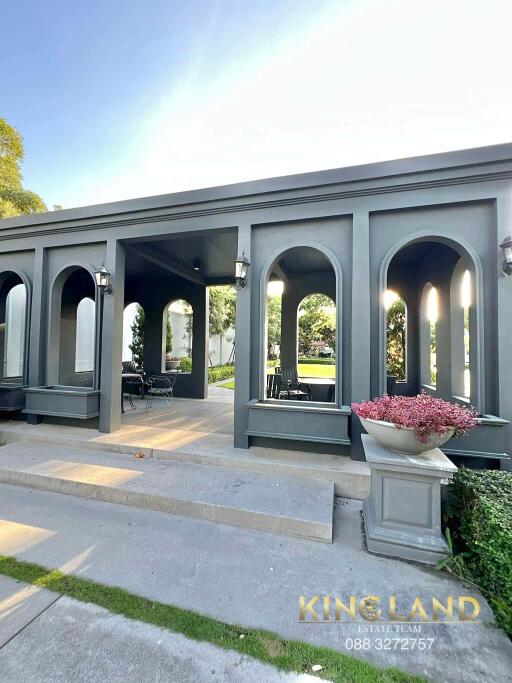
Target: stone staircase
274, 503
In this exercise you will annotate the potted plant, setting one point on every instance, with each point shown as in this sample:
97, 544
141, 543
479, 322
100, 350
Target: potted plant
171, 362
414, 424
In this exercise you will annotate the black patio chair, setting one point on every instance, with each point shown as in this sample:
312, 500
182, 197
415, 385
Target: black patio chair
161, 387
291, 388
134, 382
274, 383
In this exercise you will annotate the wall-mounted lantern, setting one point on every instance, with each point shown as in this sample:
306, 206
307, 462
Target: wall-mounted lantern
102, 277
506, 247
241, 267
196, 265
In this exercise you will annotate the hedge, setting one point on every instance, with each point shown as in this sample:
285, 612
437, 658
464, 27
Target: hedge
317, 361
479, 516
220, 372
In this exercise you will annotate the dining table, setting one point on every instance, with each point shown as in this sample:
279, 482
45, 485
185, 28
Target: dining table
328, 382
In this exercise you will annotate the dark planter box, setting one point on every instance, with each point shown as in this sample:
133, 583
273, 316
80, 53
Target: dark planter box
12, 397
61, 401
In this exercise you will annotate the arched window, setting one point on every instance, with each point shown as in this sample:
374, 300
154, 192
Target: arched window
178, 336
428, 335
133, 333
461, 297
85, 332
317, 336
14, 334
301, 335
71, 357
396, 335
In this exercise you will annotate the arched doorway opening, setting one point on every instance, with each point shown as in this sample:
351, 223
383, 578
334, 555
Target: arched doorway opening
439, 282
14, 311
302, 327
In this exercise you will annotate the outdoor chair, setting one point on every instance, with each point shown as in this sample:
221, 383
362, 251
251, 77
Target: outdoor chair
291, 388
390, 385
274, 382
134, 382
161, 387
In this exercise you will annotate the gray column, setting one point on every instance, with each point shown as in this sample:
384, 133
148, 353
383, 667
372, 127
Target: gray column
504, 322
360, 342
200, 334
243, 344
289, 328
112, 341
443, 341
38, 314
154, 351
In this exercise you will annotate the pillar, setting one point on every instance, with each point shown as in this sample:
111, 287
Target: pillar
243, 344
360, 329
38, 314
112, 340
289, 321
360, 326
504, 321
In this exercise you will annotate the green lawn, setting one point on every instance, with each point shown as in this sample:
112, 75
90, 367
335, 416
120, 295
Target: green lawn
314, 370
303, 369
288, 655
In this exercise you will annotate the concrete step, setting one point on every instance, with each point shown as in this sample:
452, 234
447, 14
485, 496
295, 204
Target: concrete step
351, 478
283, 505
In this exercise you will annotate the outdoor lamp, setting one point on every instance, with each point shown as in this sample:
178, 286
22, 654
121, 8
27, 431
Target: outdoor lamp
102, 277
196, 265
241, 267
506, 247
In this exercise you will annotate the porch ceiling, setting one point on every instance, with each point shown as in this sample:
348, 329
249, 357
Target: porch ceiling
215, 251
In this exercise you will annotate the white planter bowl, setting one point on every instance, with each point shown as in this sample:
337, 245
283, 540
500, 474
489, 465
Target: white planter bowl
403, 440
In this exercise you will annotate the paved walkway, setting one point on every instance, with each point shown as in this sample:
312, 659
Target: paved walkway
249, 578
45, 638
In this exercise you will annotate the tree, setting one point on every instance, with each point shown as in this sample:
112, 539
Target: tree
14, 199
317, 322
396, 339
222, 309
274, 306
137, 345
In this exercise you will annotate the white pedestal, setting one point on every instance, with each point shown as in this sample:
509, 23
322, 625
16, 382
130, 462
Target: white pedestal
402, 515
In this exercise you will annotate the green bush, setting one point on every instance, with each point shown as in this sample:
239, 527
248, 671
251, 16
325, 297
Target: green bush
479, 516
185, 364
317, 361
220, 372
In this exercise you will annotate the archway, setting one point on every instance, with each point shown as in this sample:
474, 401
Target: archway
177, 336
426, 272
14, 311
290, 279
72, 356
133, 334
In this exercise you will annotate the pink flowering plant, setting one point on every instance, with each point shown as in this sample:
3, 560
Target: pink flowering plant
425, 414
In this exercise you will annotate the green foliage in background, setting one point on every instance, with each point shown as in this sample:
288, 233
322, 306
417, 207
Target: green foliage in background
479, 519
222, 302
396, 339
14, 198
137, 345
317, 322
220, 372
274, 306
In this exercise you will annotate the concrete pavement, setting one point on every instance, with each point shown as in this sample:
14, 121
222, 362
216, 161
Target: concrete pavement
57, 640
250, 578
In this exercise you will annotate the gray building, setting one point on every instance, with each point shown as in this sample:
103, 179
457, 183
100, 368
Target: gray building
411, 226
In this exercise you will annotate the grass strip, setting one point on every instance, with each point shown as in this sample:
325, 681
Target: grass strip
288, 655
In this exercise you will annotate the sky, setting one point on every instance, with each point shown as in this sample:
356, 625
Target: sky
126, 98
